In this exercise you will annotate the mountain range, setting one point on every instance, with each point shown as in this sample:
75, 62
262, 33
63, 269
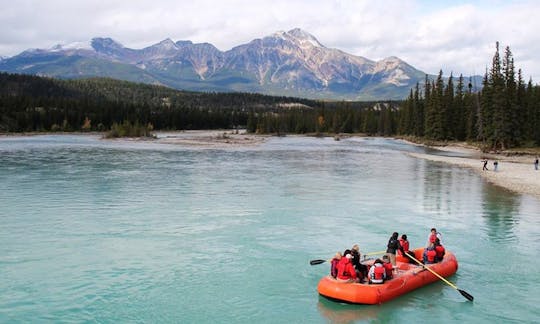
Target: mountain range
292, 63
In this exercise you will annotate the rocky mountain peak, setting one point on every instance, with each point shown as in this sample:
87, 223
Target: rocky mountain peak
105, 44
166, 44
290, 62
304, 37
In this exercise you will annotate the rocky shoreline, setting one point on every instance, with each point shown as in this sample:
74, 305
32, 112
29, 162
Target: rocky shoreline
514, 172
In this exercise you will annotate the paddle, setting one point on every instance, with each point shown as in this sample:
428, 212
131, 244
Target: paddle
462, 292
319, 261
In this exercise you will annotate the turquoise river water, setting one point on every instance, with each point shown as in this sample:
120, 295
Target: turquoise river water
119, 231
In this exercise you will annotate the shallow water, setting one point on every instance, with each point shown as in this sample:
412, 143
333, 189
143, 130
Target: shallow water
116, 231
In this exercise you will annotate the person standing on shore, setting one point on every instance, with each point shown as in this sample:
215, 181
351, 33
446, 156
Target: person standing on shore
495, 165
536, 164
485, 165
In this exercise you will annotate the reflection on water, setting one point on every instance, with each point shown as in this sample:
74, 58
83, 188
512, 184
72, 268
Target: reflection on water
109, 230
341, 313
501, 209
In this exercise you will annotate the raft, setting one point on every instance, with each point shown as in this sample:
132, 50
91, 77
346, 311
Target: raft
406, 278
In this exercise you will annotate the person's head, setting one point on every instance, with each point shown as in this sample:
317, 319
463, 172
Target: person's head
433, 231
395, 235
385, 258
338, 256
356, 248
346, 252
378, 261
404, 237
348, 256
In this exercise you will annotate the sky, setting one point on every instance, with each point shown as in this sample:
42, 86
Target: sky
453, 36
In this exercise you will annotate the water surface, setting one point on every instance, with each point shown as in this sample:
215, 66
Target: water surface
118, 231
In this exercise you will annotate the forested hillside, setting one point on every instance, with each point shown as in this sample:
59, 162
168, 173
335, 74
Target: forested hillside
31, 103
504, 114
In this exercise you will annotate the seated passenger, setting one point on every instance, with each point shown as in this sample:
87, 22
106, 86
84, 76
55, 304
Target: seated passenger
430, 256
361, 269
440, 250
345, 269
387, 267
334, 263
405, 244
377, 272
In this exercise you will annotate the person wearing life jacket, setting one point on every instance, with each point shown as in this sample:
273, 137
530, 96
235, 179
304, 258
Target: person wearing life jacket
392, 246
387, 267
361, 269
377, 272
430, 256
345, 269
434, 235
440, 250
405, 245
334, 263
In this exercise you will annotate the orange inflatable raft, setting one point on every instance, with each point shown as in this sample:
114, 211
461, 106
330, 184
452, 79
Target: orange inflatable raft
406, 278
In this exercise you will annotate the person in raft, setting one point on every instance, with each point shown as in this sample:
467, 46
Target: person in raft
387, 267
334, 263
377, 273
392, 246
440, 250
405, 245
430, 255
345, 269
361, 269
434, 235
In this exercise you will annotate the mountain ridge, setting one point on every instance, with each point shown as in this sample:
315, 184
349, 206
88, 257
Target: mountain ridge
292, 63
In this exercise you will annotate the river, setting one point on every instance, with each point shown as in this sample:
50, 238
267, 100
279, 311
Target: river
113, 231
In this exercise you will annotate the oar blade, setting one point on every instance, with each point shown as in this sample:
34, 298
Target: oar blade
466, 294
314, 262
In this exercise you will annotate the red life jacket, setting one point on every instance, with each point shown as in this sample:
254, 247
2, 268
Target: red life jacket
345, 269
379, 273
431, 256
388, 268
439, 249
405, 245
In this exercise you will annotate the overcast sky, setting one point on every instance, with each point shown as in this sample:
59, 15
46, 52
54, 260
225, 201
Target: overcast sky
455, 36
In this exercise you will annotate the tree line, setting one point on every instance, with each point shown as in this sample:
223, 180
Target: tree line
505, 113
33, 104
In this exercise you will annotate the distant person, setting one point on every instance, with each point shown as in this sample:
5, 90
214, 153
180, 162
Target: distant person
361, 269
439, 250
345, 269
405, 245
433, 234
495, 165
388, 268
485, 165
536, 164
377, 273
430, 255
392, 246
334, 263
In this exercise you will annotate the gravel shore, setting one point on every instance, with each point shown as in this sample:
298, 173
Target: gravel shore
516, 173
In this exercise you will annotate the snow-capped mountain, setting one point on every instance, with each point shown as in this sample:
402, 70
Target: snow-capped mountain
284, 63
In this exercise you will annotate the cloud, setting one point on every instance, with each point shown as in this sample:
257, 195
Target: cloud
456, 36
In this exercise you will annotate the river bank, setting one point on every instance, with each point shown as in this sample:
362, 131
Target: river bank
514, 172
